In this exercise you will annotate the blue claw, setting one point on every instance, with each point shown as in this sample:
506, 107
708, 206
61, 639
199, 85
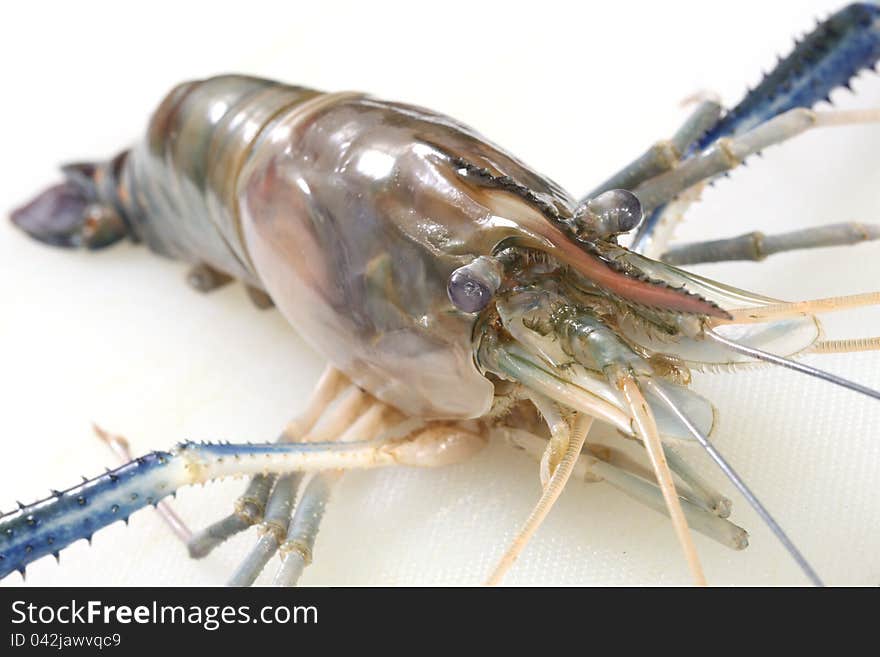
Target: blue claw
827, 58
48, 526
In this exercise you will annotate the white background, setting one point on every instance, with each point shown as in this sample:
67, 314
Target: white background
575, 89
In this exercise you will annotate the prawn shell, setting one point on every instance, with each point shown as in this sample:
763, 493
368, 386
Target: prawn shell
354, 215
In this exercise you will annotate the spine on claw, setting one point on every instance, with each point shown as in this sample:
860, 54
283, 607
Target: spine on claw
48, 526
827, 58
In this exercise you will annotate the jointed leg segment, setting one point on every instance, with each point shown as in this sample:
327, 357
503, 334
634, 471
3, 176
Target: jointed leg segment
296, 551
644, 490
663, 155
728, 153
756, 245
251, 505
272, 531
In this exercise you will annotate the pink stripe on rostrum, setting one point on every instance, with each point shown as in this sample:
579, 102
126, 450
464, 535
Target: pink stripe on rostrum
627, 287
645, 292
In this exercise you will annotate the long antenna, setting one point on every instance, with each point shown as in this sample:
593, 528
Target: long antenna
790, 364
735, 480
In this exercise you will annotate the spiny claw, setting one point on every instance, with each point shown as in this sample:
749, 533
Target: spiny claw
50, 525
827, 58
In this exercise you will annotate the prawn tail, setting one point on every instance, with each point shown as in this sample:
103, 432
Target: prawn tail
84, 210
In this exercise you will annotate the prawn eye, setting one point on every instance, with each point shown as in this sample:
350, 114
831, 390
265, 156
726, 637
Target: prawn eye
472, 286
610, 213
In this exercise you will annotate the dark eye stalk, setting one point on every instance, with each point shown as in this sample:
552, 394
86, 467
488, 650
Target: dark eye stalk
473, 286
608, 214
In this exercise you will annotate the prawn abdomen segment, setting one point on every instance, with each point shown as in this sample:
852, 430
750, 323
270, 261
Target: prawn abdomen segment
179, 180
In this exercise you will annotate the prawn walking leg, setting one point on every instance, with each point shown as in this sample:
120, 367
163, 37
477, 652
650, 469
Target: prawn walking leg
645, 491
297, 549
756, 245
251, 505
369, 426
729, 153
663, 155
272, 530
